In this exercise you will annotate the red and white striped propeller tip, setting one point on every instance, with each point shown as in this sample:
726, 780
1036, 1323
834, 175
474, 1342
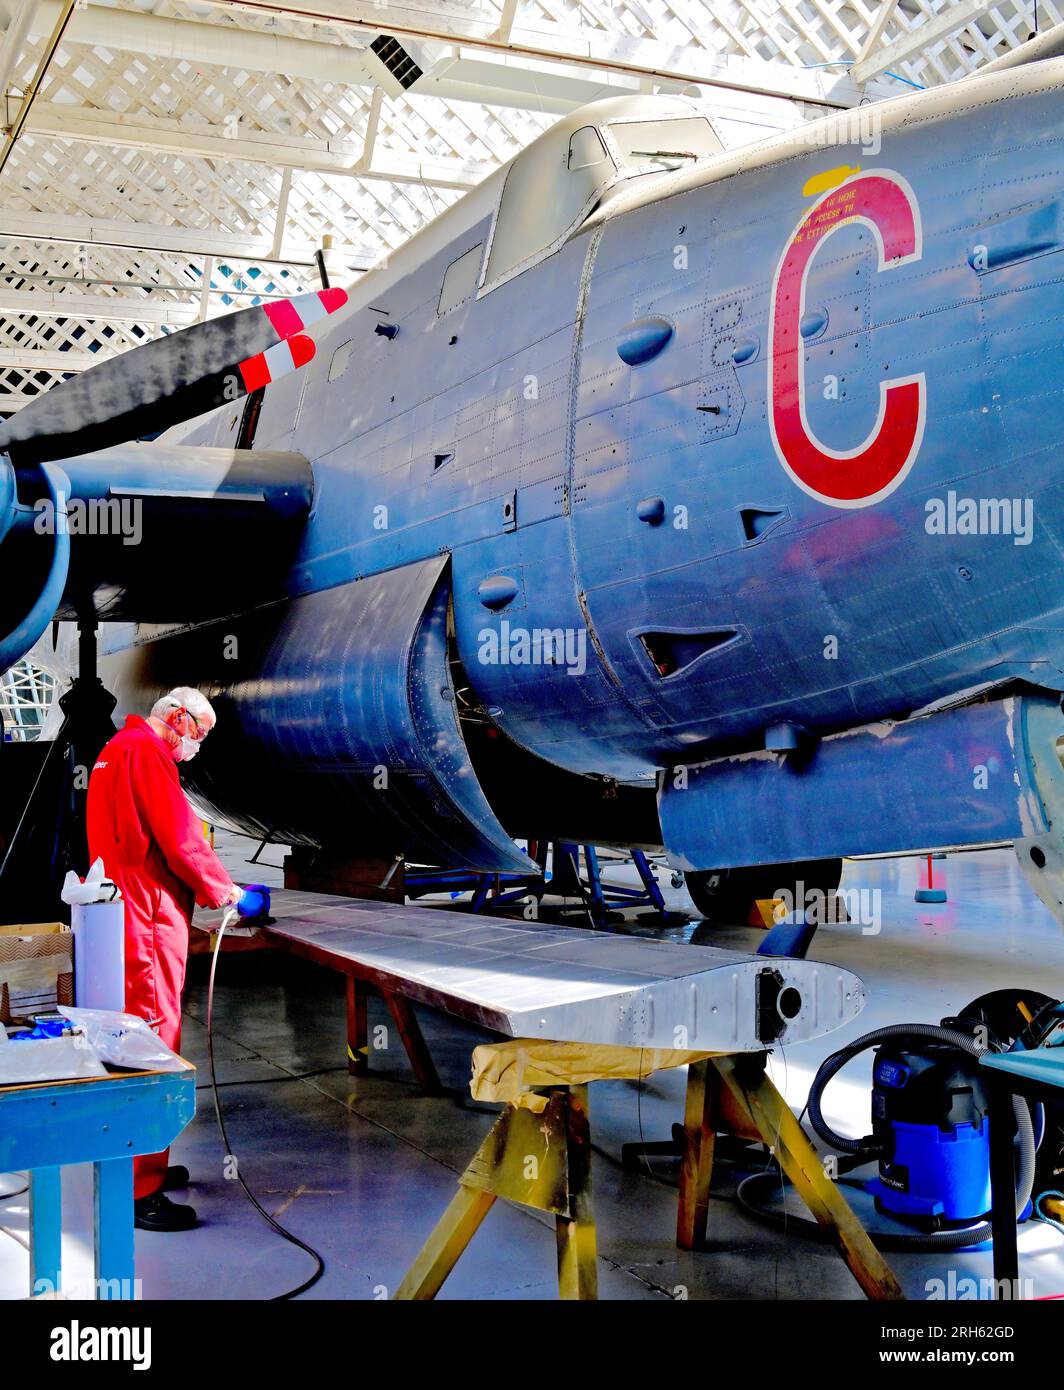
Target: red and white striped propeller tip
291, 316
286, 356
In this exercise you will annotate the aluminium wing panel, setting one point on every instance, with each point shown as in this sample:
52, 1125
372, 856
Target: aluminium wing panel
529, 979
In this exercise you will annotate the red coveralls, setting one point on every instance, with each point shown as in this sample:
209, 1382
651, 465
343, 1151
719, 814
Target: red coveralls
153, 848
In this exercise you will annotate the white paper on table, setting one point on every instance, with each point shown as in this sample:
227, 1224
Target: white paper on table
49, 1059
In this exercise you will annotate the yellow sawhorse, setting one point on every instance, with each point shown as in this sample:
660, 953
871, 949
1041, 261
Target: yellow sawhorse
538, 1154
538, 1160
734, 1095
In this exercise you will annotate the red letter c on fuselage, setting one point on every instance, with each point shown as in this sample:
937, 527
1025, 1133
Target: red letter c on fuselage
883, 201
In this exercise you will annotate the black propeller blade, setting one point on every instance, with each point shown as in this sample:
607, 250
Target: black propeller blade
168, 380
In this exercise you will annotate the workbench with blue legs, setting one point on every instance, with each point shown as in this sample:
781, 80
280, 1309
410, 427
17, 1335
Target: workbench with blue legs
105, 1121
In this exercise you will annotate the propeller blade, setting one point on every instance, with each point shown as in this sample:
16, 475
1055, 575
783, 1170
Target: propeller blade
168, 380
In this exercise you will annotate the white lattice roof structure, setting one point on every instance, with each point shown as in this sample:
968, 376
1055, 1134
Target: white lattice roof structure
26, 695
169, 159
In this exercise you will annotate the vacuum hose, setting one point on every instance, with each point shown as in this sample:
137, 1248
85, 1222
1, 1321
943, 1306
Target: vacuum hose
972, 1235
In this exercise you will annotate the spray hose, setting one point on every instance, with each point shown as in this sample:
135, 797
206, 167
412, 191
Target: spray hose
266, 1216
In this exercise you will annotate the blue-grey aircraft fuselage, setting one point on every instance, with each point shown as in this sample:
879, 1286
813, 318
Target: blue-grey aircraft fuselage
644, 457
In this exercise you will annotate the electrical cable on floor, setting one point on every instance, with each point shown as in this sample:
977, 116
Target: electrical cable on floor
6, 1197
266, 1216
273, 1080
19, 1240
639, 1116
750, 1199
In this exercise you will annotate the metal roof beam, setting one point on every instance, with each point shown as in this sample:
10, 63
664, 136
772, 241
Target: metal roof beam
545, 68
114, 308
461, 74
55, 228
600, 50
187, 40
337, 157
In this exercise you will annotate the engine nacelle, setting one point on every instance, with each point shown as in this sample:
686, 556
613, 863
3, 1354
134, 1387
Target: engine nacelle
337, 722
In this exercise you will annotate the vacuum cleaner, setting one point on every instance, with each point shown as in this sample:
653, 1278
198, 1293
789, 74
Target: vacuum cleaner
931, 1124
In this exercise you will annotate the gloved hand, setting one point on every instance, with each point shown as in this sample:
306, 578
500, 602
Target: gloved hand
254, 900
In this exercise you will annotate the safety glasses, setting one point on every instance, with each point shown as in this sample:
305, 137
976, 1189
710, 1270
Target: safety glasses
196, 731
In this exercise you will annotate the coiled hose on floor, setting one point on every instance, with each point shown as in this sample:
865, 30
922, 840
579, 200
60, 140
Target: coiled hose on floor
938, 1240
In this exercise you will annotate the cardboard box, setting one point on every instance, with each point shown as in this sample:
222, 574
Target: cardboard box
36, 969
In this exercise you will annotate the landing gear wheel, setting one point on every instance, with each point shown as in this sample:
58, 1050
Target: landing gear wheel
725, 897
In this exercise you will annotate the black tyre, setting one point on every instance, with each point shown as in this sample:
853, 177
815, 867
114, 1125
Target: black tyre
725, 897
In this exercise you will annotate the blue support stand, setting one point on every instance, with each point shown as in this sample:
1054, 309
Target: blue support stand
599, 899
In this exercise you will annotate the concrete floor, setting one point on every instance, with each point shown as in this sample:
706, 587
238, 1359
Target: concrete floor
361, 1168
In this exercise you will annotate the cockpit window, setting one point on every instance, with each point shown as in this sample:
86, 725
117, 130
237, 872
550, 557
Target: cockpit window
586, 149
554, 184
645, 146
549, 190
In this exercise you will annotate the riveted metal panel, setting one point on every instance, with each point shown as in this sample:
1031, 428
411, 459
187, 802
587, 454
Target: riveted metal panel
528, 979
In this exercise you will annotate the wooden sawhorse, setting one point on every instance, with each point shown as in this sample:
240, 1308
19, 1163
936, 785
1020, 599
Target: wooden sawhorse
538, 1154
540, 1160
734, 1095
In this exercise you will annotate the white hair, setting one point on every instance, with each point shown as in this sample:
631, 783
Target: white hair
184, 697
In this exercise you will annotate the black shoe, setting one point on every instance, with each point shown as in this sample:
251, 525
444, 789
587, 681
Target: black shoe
158, 1213
176, 1178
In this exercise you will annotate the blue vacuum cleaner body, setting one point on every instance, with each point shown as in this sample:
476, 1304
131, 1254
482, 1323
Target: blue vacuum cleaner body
930, 1123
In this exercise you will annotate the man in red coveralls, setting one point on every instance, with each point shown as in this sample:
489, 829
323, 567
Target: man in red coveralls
152, 846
